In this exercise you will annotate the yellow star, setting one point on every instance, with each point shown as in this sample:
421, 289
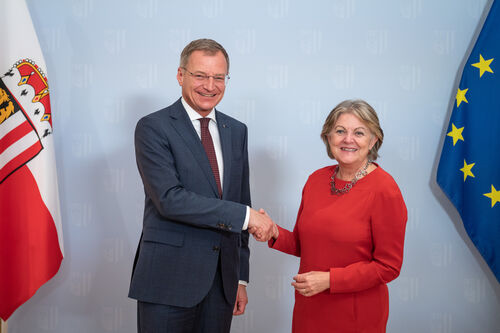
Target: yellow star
483, 65
494, 195
456, 133
461, 96
467, 170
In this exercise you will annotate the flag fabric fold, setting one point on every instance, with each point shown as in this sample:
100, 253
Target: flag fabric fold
31, 247
468, 170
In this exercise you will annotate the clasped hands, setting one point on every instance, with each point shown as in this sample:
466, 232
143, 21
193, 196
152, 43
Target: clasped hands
261, 226
311, 283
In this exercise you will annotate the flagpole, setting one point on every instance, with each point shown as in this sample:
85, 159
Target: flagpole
3, 326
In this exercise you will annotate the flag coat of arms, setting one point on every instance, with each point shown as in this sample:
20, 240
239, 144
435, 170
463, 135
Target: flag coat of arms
468, 171
31, 246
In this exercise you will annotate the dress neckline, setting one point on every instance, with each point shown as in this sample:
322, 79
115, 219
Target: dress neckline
343, 182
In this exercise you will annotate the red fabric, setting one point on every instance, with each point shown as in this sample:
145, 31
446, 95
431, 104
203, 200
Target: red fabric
14, 135
359, 238
14, 163
208, 144
29, 247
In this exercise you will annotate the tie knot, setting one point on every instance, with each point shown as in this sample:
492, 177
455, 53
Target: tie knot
204, 122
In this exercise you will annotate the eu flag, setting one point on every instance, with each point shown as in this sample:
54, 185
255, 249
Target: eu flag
469, 169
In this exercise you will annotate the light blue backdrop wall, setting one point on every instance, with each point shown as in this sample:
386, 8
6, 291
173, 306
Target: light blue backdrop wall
111, 62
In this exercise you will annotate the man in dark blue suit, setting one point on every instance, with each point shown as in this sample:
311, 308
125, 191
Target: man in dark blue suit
191, 266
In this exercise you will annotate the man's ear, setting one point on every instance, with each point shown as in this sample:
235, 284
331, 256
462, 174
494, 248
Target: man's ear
180, 76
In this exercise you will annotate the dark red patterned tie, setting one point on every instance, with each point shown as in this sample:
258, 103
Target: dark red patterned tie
208, 144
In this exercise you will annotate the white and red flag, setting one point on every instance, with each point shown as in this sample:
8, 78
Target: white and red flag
31, 246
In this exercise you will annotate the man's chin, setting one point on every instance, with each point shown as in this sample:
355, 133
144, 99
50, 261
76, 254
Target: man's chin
205, 107
203, 111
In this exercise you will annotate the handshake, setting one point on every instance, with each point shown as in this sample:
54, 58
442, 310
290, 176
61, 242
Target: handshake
261, 226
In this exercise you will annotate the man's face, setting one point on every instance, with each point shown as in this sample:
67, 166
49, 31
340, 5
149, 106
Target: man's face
202, 93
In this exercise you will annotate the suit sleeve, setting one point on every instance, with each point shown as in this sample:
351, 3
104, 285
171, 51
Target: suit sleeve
157, 168
388, 222
245, 186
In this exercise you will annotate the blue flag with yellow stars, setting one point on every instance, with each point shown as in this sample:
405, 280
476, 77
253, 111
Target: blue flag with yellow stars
469, 169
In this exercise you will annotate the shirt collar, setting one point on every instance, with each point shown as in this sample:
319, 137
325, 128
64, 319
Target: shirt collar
193, 115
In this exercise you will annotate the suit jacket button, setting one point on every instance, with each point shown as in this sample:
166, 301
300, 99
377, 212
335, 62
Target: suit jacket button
216, 248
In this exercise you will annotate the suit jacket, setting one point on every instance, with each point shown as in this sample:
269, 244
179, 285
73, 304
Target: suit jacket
186, 225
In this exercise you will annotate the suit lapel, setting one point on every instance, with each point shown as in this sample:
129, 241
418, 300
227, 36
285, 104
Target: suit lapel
225, 141
185, 129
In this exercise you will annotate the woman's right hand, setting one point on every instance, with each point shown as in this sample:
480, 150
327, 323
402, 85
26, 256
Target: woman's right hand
276, 231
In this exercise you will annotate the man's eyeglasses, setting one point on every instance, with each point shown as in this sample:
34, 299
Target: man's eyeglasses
202, 77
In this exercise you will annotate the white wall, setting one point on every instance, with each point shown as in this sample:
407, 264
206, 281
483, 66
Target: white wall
111, 62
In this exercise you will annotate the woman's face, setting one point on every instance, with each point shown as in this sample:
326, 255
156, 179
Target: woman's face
350, 141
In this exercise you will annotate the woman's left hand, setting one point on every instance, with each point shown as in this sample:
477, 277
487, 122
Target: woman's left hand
311, 283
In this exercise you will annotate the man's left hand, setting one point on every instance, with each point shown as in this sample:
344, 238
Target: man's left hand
241, 300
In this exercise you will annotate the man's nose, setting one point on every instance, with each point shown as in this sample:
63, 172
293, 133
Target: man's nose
209, 83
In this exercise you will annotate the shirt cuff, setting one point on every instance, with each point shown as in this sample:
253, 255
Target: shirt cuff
245, 283
247, 219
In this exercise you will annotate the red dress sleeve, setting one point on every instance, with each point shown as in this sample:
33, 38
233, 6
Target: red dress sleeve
388, 222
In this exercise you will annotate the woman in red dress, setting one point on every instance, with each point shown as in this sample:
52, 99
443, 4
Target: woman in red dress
349, 232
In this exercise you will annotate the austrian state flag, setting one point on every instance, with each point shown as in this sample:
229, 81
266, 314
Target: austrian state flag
31, 247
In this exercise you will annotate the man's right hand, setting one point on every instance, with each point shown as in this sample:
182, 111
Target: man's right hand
260, 225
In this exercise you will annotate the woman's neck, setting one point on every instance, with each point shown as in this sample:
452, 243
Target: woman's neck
348, 172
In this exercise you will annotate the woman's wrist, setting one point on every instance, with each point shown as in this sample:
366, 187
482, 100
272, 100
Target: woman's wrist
276, 231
